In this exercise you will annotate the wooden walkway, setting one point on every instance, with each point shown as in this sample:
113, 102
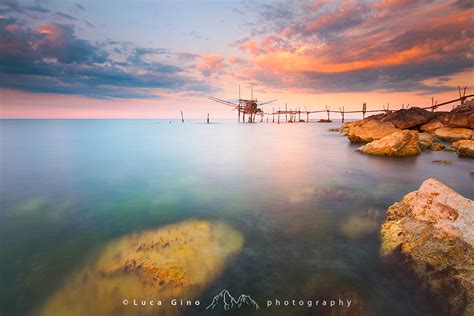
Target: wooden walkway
295, 114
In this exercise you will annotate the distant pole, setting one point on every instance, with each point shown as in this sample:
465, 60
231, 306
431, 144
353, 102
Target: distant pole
273, 115
307, 117
342, 113
207, 118
278, 115
243, 116
364, 108
239, 112
182, 117
299, 115
267, 119
286, 112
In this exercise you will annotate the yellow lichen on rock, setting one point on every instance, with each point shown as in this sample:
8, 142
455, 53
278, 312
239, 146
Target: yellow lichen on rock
174, 261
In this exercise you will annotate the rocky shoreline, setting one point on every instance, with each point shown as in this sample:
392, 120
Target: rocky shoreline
407, 132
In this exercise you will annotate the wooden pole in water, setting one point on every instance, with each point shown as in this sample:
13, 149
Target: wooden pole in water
278, 115
286, 112
182, 118
299, 115
207, 118
307, 117
342, 113
273, 115
364, 108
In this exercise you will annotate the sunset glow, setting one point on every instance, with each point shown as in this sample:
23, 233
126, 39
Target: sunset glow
61, 59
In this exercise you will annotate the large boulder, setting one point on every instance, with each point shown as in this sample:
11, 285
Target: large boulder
345, 127
431, 232
401, 143
425, 140
465, 147
431, 126
452, 134
369, 130
408, 118
462, 115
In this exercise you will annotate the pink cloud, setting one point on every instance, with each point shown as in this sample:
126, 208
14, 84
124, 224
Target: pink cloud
211, 64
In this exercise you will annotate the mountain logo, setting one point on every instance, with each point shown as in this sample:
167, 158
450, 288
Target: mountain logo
229, 302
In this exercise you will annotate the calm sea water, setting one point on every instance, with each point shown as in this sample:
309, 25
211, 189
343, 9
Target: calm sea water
309, 206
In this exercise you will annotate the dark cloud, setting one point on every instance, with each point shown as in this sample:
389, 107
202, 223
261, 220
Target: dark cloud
12, 6
50, 58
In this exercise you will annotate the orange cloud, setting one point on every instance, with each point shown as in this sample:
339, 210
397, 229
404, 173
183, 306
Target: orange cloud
210, 64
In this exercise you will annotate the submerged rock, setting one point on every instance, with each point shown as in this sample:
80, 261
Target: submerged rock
452, 134
431, 126
402, 143
408, 118
425, 140
369, 130
431, 232
174, 261
443, 161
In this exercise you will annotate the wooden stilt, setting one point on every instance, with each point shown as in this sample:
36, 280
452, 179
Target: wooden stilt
278, 115
273, 115
364, 109
207, 118
286, 112
182, 117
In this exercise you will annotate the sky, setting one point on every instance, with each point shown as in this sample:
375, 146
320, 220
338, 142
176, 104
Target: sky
153, 59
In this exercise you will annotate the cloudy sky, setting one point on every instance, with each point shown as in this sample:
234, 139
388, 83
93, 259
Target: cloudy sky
151, 59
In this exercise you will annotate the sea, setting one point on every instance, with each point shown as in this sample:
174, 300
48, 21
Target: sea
308, 205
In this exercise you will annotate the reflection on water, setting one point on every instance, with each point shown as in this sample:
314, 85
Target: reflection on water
308, 206
175, 261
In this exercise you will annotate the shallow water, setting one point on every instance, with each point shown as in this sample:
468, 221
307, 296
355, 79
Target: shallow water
309, 206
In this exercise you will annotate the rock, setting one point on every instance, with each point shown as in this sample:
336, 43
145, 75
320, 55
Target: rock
431, 232
458, 143
175, 261
466, 149
452, 134
437, 147
425, 140
401, 143
462, 116
408, 118
345, 127
369, 130
431, 126
446, 162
